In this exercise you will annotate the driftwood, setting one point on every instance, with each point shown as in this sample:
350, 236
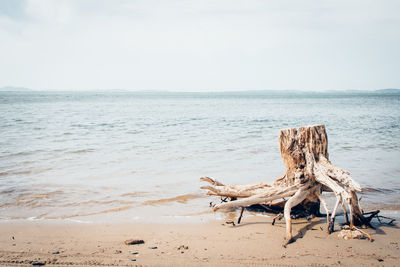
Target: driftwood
308, 173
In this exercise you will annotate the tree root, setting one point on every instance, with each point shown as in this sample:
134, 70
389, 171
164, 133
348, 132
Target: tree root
363, 232
277, 217
308, 173
375, 214
240, 216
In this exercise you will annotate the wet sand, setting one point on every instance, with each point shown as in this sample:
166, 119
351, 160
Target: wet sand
253, 243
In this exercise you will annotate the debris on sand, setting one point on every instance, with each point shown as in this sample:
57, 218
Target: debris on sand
133, 241
354, 233
350, 234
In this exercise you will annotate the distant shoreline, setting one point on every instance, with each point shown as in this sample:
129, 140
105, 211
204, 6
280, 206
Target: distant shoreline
11, 89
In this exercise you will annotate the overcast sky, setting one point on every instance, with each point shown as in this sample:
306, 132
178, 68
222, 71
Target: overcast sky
188, 45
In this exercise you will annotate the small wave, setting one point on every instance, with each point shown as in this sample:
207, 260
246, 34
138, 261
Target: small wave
210, 211
35, 200
261, 120
8, 191
86, 150
79, 221
390, 206
196, 119
41, 216
177, 158
135, 194
258, 151
381, 206
183, 199
249, 136
21, 172
23, 153
377, 190
94, 213
80, 126
134, 132
6, 205
98, 202
174, 124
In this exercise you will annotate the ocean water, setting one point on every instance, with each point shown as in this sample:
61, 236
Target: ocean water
100, 156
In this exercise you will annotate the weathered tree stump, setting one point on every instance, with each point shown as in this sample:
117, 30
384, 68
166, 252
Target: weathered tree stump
308, 173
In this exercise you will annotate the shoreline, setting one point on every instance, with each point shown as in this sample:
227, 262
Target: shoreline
254, 242
189, 208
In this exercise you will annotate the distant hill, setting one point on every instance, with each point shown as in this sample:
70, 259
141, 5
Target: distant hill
388, 90
14, 89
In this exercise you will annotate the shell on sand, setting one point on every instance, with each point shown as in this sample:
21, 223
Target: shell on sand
350, 234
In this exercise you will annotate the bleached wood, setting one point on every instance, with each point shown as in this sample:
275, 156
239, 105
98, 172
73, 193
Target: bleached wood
298, 197
263, 198
308, 172
218, 189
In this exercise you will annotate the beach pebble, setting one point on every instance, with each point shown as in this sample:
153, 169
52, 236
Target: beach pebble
134, 253
134, 241
133, 259
118, 251
153, 247
55, 252
38, 263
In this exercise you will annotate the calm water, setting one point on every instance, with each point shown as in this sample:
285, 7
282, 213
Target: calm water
130, 156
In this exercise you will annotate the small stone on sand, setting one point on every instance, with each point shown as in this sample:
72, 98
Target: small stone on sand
133, 241
38, 263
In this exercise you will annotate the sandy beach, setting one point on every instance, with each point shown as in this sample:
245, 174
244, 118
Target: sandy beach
255, 242
137, 133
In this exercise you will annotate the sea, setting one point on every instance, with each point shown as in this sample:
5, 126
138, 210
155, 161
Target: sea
108, 156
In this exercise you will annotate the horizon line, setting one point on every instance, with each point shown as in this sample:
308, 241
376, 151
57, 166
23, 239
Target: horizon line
21, 88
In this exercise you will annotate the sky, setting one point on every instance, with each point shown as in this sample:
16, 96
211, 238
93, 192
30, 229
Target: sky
202, 45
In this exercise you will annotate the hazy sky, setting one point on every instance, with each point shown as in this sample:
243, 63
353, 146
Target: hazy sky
188, 45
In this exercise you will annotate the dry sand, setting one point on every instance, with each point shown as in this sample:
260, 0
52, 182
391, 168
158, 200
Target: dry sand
253, 243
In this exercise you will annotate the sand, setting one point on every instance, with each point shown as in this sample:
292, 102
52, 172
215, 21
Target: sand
253, 243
